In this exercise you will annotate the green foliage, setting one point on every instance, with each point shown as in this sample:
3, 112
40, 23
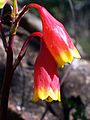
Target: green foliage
76, 104
2, 2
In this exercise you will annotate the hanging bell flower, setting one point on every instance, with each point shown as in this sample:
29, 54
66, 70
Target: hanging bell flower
46, 81
57, 39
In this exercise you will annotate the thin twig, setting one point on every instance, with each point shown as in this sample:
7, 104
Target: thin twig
74, 19
72, 9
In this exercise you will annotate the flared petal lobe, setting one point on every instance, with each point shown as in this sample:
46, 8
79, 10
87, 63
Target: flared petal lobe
57, 39
46, 82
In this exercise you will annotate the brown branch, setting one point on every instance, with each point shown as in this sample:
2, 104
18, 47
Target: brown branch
7, 80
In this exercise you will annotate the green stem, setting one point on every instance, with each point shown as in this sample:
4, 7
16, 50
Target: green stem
15, 8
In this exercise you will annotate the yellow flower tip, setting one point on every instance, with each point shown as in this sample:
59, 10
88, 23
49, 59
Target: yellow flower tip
49, 99
63, 58
47, 96
55, 95
35, 97
75, 53
40, 94
55, 98
66, 57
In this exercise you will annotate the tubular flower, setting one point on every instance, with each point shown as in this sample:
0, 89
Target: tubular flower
57, 39
46, 82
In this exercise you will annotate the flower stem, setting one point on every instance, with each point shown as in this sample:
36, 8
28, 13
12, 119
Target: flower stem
24, 10
7, 81
15, 8
24, 47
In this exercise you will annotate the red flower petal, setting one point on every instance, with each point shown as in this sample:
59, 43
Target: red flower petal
57, 39
46, 82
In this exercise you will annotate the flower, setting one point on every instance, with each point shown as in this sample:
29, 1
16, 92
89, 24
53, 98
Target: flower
56, 50
46, 81
2, 3
57, 39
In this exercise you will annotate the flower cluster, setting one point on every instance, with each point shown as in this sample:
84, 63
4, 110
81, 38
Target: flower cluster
56, 50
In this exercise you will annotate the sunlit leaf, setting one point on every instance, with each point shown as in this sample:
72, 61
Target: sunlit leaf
2, 3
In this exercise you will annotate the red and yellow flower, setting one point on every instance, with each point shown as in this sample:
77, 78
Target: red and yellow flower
57, 49
57, 39
46, 81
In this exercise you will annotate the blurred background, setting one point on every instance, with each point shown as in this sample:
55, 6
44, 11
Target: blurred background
74, 78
